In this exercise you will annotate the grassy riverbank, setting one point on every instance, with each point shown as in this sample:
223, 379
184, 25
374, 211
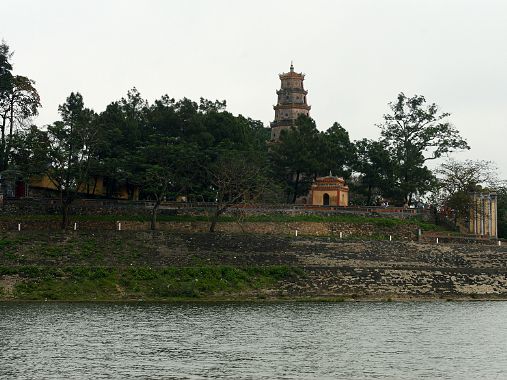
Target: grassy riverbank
140, 283
108, 266
175, 266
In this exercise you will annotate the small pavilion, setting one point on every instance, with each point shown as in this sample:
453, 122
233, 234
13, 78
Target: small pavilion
329, 191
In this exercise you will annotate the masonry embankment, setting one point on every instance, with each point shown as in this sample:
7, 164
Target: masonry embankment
169, 265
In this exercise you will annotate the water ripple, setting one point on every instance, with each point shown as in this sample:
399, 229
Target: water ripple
453, 340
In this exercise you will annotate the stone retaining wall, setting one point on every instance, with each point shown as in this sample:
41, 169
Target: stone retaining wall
80, 207
398, 232
43, 206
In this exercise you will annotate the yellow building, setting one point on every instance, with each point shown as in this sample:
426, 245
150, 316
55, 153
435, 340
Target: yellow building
95, 188
329, 191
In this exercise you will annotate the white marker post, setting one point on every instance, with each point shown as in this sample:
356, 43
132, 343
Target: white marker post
499, 243
119, 226
296, 233
19, 226
75, 226
437, 240
390, 238
341, 235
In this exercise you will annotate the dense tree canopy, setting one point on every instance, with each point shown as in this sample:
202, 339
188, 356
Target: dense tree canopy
182, 148
70, 150
303, 153
19, 101
376, 169
416, 132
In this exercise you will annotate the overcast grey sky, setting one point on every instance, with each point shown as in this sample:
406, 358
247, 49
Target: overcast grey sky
357, 56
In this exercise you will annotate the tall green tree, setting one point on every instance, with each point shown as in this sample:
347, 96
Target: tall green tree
166, 168
337, 152
376, 170
70, 150
121, 130
415, 133
5, 70
30, 155
296, 156
20, 104
19, 101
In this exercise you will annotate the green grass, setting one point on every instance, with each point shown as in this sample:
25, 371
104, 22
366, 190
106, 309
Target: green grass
8, 247
272, 218
105, 283
6, 242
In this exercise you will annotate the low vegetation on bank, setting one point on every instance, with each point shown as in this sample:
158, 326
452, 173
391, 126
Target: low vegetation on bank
140, 283
261, 218
175, 266
99, 265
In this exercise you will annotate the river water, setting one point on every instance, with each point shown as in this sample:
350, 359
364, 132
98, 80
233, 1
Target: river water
405, 340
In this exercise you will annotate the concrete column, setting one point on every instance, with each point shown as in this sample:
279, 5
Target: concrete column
490, 217
483, 209
494, 215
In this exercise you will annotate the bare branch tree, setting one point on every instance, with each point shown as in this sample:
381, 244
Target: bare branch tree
236, 180
459, 180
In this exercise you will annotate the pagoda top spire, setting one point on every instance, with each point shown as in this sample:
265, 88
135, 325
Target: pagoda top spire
291, 102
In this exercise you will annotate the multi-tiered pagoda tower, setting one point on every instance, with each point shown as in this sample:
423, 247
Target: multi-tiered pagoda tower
291, 102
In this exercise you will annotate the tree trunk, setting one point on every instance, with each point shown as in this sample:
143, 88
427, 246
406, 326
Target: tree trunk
65, 215
368, 202
154, 211
213, 222
9, 137
94, 185
219, 210
296, 183
130, 191
4, 124
436, 216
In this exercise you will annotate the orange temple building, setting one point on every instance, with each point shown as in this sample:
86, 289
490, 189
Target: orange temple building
329, 191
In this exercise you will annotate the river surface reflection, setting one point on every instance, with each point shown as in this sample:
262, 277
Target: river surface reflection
451, 340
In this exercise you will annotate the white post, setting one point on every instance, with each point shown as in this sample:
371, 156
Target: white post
75, 226
341, 235
119, 226
390, 238
19, 226
296, 233
437, 240
499, 243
